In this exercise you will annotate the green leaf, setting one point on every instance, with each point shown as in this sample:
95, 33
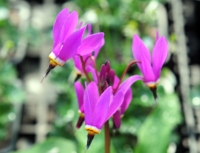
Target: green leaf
154, 135
52, 145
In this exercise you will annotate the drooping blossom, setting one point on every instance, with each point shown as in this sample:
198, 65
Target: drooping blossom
107, 77
79, 94
125, 88
98, 109
150, 64
68, 39
88, 59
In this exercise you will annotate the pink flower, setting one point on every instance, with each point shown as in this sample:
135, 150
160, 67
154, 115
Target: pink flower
150, 65
125, 88
89, 63
69, 40
66, 38
79, 94
98, 109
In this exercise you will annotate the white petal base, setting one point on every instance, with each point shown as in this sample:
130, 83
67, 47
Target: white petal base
56, 59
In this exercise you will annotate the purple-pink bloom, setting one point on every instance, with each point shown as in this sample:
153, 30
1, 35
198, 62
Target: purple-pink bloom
150, 65
65, 36
126, 90
79, 94
98, 109
89, 62
69, 40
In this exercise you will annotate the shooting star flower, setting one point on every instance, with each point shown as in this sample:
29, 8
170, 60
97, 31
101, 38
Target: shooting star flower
68, 39
79, 93
150, 65
98, 109
125, 88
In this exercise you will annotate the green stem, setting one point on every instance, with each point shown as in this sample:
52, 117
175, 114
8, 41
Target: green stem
107, 137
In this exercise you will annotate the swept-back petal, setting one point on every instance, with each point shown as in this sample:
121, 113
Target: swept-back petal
89, 29
116, 81
147, 70
117, 119
91, 96
71, 45
58, 24
90, 43
79, 93
139, 49
115, 104
127, 83
102, 107
56, 49
159, 55
77, 63
127, 101
96, 52
69, 26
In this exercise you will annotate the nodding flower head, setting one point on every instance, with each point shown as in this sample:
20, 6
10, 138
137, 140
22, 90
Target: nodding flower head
68, 39
125, 88
98, 109
79, 94
150, 64
88, 62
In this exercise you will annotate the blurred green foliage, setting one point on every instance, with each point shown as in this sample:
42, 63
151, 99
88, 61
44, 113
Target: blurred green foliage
10, 93
53, 144
10, 87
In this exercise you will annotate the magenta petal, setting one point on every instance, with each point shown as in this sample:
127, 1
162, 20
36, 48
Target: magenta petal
127, 83
58, 24
116, 81
159, 55
115, 104
91, 96
69, 26
139, 49
117, 119
147, 70
127, 100
89, 29
90, 43
96, 52
56, 49
71, 45
77, 63
79, 94
102, 108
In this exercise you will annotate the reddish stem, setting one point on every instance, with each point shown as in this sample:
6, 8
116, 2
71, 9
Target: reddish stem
84, 70
124, 73
107, 137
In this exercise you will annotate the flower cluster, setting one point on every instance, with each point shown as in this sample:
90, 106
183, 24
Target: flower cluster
103, 95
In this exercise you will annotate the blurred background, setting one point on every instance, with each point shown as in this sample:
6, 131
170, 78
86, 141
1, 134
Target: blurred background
40, 117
